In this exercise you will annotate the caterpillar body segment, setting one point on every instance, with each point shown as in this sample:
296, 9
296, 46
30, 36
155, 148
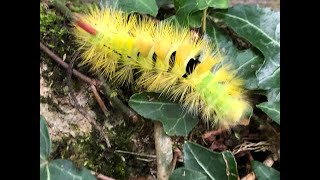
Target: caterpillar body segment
169, 59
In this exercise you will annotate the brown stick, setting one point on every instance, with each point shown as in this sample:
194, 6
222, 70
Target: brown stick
65, 65
136, 154
209, 134
176, 155
101, 176
116, 102
268, 161
99, 100
164, 152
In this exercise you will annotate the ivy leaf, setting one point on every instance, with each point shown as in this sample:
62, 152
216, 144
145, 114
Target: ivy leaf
272, 109
64, 169
190, 12
273, 95
139, 6
213, 164
45, 144
244, 62
59, 168
187, 174
174, 119
264, 172
261, 27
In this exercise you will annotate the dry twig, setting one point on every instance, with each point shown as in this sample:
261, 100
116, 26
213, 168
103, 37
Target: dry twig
101, 176
115, 101
136, 154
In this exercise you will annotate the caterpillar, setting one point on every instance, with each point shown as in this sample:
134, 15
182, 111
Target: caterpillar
168, 59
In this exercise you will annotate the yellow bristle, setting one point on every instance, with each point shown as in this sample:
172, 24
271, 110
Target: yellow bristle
159, 53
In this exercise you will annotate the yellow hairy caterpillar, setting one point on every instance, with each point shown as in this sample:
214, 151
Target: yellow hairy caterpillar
168, 59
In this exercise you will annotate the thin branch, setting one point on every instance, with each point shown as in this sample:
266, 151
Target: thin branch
145, 160
82, 77
99, 100
65, 65
249, 146
116, 102
101, 176
136, 154
209, 135
133, 116
268, 161
176, 155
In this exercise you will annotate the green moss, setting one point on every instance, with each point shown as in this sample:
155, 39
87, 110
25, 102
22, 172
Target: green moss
56, 35
80, 6
88, 151
42, 99
52, 105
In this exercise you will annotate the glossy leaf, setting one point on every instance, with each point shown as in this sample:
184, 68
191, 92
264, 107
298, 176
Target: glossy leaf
272, 109
187, 174
244, 62
264, 172
261, 27
139, 6
174, 119
190, 12
213, 164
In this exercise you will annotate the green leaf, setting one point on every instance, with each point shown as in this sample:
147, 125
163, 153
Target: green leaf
219, 4
45, 147
161, 3
173, 20
273, 95
272, 109
244, 62
186, 13
261, 27
190, 12
44, 172
66, 170
57, 169
174, 119
45, 143
264, 172
215, 165
187, 174
139, 6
